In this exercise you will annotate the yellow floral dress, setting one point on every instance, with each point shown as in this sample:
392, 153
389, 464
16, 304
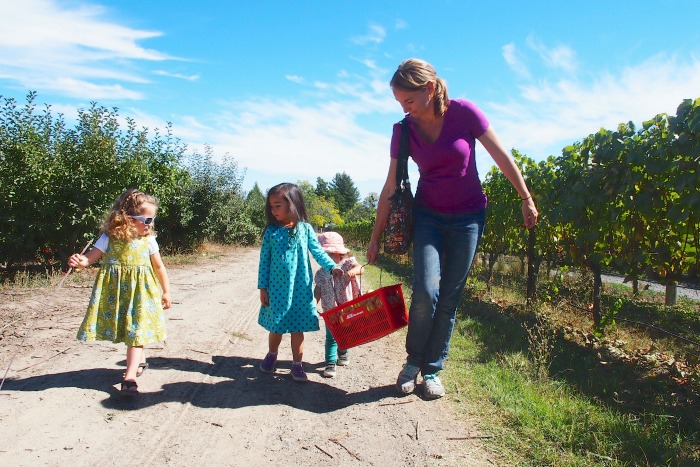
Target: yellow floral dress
125, 305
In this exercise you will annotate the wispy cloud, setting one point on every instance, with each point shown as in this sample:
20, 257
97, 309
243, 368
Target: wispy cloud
75, 50
176, 75
286, 140
548, 115
515, 60
375, 34
560, 57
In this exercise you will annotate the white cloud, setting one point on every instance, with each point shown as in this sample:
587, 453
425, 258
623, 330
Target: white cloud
547, 116
560, 57
515, 61
46, 45
176, 75
376, 34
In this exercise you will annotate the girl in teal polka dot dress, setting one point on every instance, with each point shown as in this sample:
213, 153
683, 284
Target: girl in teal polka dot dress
285, 277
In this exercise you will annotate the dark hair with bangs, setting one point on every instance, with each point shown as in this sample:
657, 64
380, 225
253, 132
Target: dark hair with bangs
294, 197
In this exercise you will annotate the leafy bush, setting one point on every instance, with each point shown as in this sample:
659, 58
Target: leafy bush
56, 183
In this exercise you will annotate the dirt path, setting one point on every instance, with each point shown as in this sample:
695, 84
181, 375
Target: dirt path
203, 399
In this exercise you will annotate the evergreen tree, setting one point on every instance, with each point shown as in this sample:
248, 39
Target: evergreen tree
322, 189
344, 192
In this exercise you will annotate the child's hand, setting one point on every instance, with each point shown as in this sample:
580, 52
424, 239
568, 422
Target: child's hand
338, 273
356, 271
78, 261
264, 298
166, 301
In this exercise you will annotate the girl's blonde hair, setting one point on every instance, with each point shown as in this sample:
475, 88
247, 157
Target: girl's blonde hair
118, 224
414, 74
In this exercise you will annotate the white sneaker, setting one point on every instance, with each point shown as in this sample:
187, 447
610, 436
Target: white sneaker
329, 371
432, 387
406, 382
343, 359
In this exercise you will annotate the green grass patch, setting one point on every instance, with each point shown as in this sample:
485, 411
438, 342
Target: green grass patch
552, 393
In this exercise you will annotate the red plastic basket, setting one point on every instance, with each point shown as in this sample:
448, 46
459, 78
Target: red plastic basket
367, 317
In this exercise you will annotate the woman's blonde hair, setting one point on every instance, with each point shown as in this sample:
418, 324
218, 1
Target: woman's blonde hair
414, 74
118, 224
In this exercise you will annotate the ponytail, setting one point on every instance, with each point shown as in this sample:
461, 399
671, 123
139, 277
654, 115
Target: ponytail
414, 74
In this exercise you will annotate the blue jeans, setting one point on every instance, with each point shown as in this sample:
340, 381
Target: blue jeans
443, 250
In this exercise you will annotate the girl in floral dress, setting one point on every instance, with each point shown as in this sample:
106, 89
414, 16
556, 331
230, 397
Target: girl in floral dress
285, 276
126, 303
333, 293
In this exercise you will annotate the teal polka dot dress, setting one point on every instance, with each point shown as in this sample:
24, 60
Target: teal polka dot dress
285, 271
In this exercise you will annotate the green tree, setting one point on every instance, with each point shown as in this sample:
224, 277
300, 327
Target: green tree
57, 183
321, 211
366, 210
344, 192
503, 232
255, 199
322, 188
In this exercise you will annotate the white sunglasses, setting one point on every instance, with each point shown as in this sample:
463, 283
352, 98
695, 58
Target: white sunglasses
144, 219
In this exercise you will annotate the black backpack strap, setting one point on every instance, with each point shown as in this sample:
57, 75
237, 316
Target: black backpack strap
404, 153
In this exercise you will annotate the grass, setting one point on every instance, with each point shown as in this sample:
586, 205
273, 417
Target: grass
552, 393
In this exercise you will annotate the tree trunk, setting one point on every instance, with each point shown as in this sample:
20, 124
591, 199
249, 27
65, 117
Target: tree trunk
671, 293
597, 287
532, 267
492, 262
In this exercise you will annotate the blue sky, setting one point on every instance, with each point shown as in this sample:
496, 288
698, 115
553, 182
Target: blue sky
297, 90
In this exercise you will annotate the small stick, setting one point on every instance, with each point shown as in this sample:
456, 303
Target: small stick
70, 269
9, 324
45, 359
32, 324
460, 438
397, 403
334, 440
417, 422
319, 448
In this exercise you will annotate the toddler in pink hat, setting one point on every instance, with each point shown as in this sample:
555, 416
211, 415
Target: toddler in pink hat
346, 288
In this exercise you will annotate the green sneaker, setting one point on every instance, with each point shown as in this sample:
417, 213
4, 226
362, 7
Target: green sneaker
432, 387
406, 382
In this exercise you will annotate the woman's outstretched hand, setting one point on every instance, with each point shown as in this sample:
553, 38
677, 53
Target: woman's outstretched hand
372, 252
530, 213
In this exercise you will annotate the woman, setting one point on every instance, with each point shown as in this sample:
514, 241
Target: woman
448, 213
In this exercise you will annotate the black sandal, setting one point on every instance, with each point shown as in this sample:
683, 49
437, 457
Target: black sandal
129, 388
142, 367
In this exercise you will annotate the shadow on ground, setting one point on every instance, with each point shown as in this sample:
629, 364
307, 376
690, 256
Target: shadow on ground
244, 386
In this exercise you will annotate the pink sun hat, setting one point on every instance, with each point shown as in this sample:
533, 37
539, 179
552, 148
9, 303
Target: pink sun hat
332, 242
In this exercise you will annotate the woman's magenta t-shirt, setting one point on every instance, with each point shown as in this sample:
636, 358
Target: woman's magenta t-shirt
449, 182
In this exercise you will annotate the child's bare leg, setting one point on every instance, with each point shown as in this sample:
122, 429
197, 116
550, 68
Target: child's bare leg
297, 346
273, 342
134, 356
